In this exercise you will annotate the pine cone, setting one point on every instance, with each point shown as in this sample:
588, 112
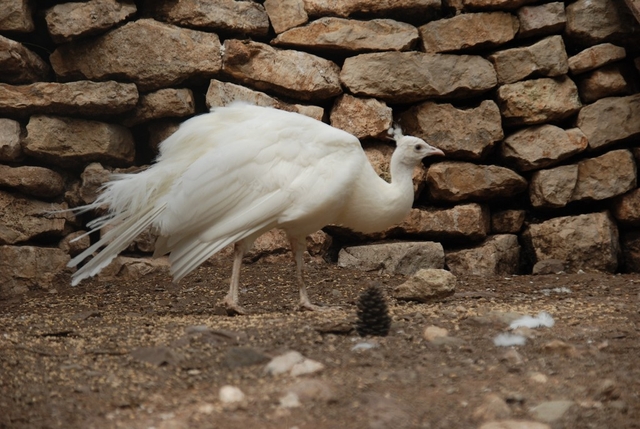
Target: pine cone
373, 314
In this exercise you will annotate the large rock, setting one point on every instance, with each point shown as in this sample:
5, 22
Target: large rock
286, 14
149, 53
469, 30
69, 21
498, 255
605, 176
541, 146
595, 21
24, 268
286, 72
19, 64
15, 16
595, 56
588, 241
11, 135
393, 258
547, 57
626, 208
35, 181
621, 114
404, 77
227, 16
427, 285
604, 82
460, 133
83, 98
463, 181
548, 18
73, 142
344, 8
362, 117
349, 36
163, 103
460, 222
539, 100
23, 219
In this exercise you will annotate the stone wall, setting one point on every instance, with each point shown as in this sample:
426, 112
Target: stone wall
535, 103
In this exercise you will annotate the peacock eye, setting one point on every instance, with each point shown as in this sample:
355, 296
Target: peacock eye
418, 147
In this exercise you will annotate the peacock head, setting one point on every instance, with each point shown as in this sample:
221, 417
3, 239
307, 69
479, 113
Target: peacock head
412, 149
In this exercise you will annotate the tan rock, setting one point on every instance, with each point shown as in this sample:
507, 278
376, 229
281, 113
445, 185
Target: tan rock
404, 77
229, 16
463, 181
588, 241
289, 73
470, 30
595, 56
547, 57
35, 181
126, 268
286, 14
428, 285
70, 21
350, 36
75, 243
24, 268
541, 146
460, 133
621, 114
507, 221
20, 65
163, 103
382, 8
462, 221
149, 53
23, 219
66, 141
11, 135
84, 98
15, 16
362, 117
626, 208
498, 255
603, 82
553, 187
393, 258
548, 18
595, 21
539, 100
432, 333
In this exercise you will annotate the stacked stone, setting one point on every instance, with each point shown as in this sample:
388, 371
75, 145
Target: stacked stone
535, 104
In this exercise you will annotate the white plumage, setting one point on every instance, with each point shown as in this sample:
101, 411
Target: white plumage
228, 176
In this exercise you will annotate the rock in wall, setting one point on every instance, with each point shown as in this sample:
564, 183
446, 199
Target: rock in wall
536, 105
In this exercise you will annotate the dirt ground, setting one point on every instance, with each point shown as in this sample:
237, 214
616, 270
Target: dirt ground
149, 354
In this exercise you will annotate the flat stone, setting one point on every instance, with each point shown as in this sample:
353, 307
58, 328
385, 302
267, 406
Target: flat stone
462, 221
396, 8
362, 117
514, 424
23, 219
84, 98
150, 54
35, 181
595, 56
626, 208
550, 411
404, 77
73, 142
19, 65
286, 14
621, 114
16, 16
394, 258
124, 268
226, 16
462, 181
590, 22
349, 36
294, 74
460, 133
548, 266
469, 30
427, 285
538, 101
606, 81
544, 19
163, 103
70, 21
507, 221
498, 255
24, 268
11, 135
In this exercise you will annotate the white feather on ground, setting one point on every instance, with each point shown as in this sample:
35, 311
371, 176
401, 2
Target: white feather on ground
543, 319
228, 176
507, 340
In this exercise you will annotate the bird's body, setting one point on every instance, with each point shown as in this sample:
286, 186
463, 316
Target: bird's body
228, 176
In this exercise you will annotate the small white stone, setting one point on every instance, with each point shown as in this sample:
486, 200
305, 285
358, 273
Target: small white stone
290, 400
231, 395
307, 366
432, 332
283, 363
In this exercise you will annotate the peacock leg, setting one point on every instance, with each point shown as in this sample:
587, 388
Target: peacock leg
230, 302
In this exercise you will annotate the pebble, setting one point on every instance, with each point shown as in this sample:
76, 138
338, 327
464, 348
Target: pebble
290, 400
230, 394
307, 366
514, 424
432, 332
550, 411
538, 377
294, 363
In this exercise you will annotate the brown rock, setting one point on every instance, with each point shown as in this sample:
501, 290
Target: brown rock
470, 30
626, 208
539, 100
75, 243
15, 15
20, 65
290, 73
404, 77
126, 268
462, 221
621, 114
66, 141
164, 103
595, 21
554, 187
350, 36
286, 14
70, 21
11, 135
588, 241
494, 4
595, 56
92, 179
541, 146
35, 181
384, 8
24, 268
548, 18
547, 57
507, 221
463, 181
84, 98
460, 133
427, 285
603, 82
361, 117
498, 255
23, 219
149, 53
229, 16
